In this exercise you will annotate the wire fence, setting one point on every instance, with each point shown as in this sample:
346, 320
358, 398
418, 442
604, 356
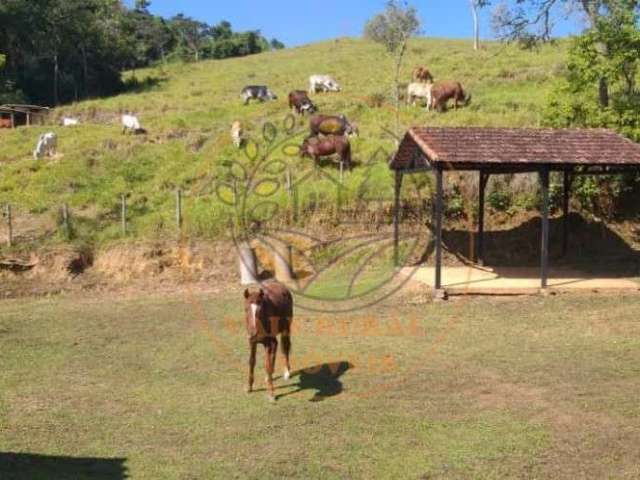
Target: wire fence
19, 226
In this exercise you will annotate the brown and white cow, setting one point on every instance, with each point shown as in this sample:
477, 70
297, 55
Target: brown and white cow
269, 313
300, 102
316, 147
442, 92
5, 122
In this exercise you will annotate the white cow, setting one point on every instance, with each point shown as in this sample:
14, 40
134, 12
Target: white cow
419, 90
131, 123
323, 83
47, 145
237, 134
70, 121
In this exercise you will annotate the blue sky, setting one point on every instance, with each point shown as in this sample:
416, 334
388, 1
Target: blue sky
296, 22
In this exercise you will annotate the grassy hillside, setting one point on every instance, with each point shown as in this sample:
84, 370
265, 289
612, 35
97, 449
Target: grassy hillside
188, 109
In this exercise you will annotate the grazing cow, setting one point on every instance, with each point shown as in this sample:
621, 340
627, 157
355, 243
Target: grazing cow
442, 92
130, 123
332, 125
323, 83
70, 121
269, 313
300, 102
47, 145
316, 147
257, 92
237, 134
5, 123
421, 74
419, 90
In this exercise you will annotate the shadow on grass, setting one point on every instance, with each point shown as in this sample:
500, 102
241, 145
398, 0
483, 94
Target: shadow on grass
324, 379
134, 85
18, 466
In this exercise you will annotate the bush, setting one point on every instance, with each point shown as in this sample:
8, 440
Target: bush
499, 200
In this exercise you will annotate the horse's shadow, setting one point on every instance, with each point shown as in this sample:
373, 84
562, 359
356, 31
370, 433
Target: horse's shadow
324, 379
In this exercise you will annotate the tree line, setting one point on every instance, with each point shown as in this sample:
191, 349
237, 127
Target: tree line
57, 51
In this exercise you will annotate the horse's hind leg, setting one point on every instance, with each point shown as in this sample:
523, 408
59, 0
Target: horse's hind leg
252, 365
270, 365
286, 350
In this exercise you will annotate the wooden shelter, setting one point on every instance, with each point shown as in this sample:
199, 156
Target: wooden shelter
17, 115
505, 151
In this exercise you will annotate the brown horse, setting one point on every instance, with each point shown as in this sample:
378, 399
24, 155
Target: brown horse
421, 74
269, 313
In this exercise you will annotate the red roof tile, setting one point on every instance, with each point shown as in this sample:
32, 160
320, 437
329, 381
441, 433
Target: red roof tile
474, 147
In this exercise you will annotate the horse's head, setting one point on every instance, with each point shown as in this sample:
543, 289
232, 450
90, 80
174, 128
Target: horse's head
253, 305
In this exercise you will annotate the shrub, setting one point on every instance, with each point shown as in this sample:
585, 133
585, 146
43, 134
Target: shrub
499, 200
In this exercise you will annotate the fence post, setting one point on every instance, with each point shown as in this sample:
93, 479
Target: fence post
123, 213
288, 182
9, 225
65, 220
179, 209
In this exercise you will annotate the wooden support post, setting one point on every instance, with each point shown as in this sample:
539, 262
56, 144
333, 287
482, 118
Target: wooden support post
123, 213
294, 201
396, 219
439, 214
565, 211
179, 209
544, 254
13, 120
484, 178
9, 226
65, 221
287, 181
28, 119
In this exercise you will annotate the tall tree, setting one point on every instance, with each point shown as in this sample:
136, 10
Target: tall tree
392, 29
531, 22
142, 6
476, 5
62, 50
191, 35
609, 50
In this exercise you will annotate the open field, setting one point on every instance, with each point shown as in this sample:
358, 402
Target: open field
475, 388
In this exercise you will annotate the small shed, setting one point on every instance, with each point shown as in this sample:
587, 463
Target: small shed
13, 115
504, 151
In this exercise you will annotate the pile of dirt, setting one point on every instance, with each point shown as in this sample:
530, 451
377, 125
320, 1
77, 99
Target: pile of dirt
143, 265
189, 262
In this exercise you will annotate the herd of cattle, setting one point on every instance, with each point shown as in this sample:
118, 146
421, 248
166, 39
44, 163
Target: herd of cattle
329, 134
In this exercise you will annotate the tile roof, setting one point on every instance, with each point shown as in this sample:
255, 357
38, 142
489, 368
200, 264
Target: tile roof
474, 147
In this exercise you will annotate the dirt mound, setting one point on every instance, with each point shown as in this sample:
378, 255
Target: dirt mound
190, 262
141, 265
